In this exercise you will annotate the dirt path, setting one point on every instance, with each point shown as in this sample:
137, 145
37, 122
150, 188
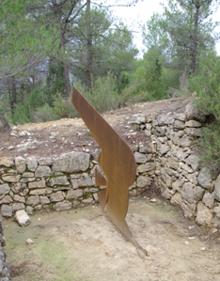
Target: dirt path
83, 246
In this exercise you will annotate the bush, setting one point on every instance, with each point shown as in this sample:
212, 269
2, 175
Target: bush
104, 95
43, 114
207, 86
62, 108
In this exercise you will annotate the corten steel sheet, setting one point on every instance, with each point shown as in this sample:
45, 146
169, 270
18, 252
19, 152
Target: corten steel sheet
116, 160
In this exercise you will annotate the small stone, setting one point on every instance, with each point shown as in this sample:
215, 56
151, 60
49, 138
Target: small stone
153, 200
85, 180
208, 199
180, 116
192, 112
29, 210
204, 215
193, 124
6, 211
62, 206
32, 164
204, 178
163, 149
28, 175
140, 158
177, 185
22, 218
37, 184
74, 194
198, 193
72, 162
216, 211
45, 161
165, 119
42, 171
6, 162
6, 199
179, 124
11, 178
217, 189
33, 200
41, 191
19, 198
187, 192
57, 196
193, 161
176, 199
29, 241
143, 181
58, 181
146, 167
4, 189
20, 164
44, 200
194, 132
18, 206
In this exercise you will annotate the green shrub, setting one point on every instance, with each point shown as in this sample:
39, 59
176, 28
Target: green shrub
62, 108
207, 86
104, 95
43, 114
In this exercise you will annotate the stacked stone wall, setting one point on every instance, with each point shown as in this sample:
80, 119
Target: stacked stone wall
167, 158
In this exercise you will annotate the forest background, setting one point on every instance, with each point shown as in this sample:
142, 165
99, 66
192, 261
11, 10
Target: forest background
48, 46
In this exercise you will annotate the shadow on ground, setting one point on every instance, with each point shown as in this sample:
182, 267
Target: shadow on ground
81, 245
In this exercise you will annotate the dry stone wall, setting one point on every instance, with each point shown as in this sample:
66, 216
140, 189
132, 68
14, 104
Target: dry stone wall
167, 158
179, 173
58, 183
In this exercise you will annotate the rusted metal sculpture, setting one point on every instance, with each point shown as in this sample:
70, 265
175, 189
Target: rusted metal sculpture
118, 165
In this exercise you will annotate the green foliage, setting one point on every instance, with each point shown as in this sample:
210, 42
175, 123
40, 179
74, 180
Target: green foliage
43, 114
207, 86
104, 95
62, 108
151, 79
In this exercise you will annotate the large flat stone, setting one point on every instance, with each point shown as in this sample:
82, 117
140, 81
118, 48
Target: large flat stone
72, 162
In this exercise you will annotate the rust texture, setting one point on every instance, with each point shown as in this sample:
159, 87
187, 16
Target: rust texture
116, 160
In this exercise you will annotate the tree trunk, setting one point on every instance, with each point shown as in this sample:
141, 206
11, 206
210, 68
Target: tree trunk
194, 50
12, 93
66, 79
4, 126
89, 53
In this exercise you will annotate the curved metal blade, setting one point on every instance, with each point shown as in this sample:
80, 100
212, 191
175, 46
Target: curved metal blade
116, 160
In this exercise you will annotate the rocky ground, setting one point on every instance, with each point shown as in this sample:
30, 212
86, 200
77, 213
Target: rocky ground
83, 245
56, 137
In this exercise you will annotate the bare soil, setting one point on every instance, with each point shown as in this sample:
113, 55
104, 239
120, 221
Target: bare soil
56, 137
81, 245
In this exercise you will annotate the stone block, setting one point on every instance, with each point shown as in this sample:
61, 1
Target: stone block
72, 162
204, 215
205, 178
20, 164
62, 206
42, 171
62, 180
57, 196
32, 164
4, 189
208, 199
6, 211
22, 218
217, 189
33, 200
74, 194
140, 158
37, 184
